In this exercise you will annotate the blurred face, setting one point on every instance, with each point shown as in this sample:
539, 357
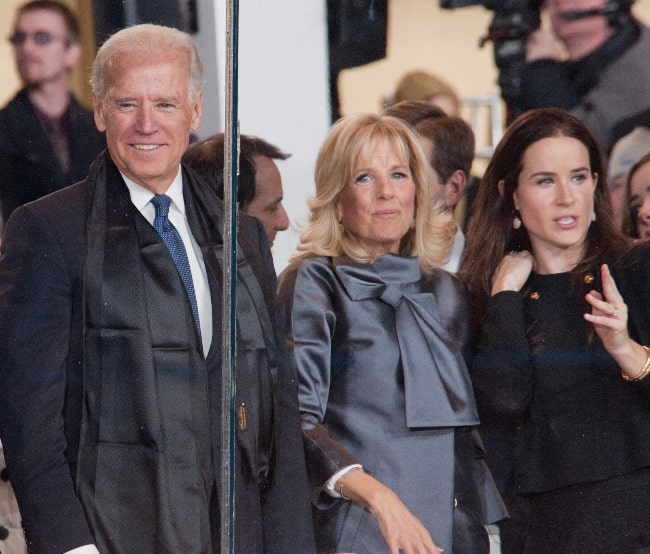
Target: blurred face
640, 200
446, 103
437, 188
267, 203
42, 52
447, 193
565, 29
617, 197
378, 203
554, 196
147, 115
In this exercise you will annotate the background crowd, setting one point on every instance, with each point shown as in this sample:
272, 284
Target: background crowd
449, 362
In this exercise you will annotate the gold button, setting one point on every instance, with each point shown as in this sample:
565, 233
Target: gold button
589, 278
534, 295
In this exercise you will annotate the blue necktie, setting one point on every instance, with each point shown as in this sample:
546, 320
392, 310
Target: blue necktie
174, 243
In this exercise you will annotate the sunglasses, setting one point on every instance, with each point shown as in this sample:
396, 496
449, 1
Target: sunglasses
41, 38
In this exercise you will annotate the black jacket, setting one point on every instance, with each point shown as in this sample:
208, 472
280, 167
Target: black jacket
544, 381
28, 166
111, 423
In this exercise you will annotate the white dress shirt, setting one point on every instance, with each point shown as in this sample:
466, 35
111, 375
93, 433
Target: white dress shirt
141, 199
456, 252
86, 549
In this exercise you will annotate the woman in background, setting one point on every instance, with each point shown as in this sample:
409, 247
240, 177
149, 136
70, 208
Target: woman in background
637, 224
561, 356
377, 331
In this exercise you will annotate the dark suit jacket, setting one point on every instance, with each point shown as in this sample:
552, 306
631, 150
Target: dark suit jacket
124, 451
28, 166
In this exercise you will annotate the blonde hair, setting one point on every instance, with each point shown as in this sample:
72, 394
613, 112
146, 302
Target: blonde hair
352, 138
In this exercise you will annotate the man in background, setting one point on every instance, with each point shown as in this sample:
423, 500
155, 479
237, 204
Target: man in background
259, 185
47, 139
448, 142
593, 62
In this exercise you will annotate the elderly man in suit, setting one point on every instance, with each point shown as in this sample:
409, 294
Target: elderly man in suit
110, 356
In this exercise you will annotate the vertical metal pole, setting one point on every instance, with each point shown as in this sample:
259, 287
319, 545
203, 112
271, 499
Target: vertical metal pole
229, 359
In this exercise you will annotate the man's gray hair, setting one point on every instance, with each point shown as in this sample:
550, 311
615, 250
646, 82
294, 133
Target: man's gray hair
145, 38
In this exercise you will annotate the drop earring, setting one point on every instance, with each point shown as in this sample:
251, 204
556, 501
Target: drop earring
593, 215
516, 223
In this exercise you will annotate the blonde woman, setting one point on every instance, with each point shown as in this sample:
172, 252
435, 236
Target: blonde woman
376, 331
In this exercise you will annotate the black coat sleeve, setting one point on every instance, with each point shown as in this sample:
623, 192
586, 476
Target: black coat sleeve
501, 370
36, 306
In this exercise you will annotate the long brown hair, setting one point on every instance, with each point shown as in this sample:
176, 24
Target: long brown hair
490, 233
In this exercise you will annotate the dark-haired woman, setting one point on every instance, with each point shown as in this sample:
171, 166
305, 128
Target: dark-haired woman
561, 356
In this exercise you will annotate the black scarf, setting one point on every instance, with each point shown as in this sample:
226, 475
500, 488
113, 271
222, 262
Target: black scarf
150, 411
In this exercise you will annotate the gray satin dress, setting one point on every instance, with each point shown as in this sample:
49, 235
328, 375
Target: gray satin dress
382, 383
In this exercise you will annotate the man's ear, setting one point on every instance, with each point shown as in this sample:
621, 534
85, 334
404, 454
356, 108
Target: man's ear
72, 55
196, 112
98, 114
454, 188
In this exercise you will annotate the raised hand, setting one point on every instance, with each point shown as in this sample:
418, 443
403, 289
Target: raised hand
609, 318
512, 272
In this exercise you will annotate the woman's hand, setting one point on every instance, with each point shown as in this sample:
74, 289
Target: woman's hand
512, 272
403, 532
609, 318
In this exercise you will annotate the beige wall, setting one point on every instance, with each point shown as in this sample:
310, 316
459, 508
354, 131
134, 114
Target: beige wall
421, 35
9, 83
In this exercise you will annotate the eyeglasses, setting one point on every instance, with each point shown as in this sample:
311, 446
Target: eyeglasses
40, 38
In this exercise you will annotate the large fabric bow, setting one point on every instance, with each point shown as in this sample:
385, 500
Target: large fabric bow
437, 387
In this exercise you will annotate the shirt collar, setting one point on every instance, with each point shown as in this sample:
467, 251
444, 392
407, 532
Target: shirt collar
141, 196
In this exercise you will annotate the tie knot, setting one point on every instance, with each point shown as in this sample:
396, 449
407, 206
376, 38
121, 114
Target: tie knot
161, 203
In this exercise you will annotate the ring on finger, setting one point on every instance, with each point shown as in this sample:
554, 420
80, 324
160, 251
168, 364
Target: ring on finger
615, 311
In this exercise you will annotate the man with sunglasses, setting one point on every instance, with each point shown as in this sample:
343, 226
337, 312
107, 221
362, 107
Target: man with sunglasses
47, 139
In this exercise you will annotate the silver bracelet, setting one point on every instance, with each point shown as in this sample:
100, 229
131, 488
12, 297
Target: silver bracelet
343, 478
